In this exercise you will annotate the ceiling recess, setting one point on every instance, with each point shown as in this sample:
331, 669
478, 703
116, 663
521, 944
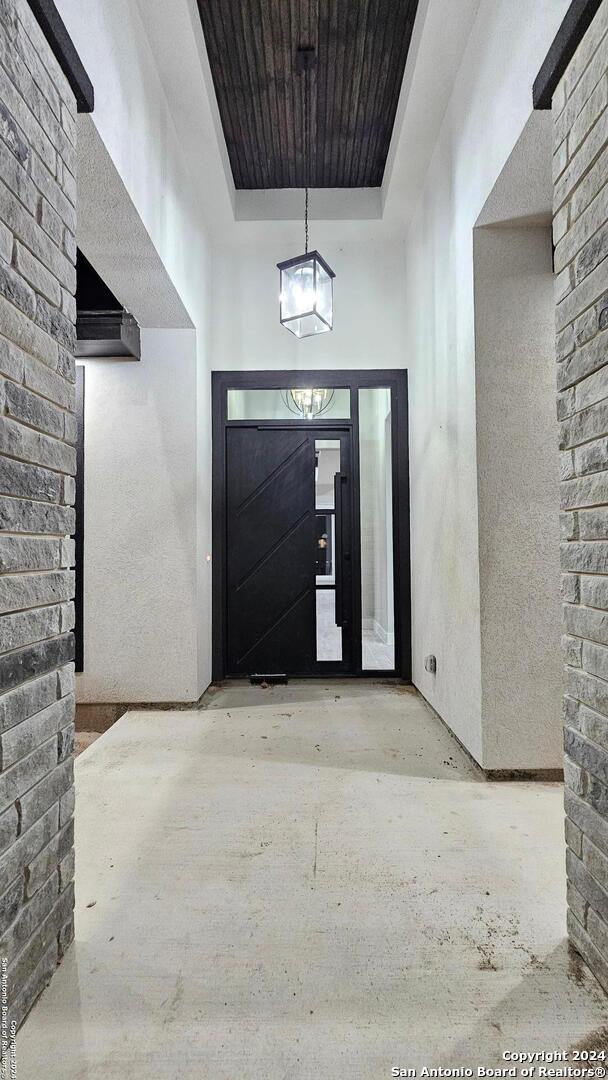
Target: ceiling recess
361, 48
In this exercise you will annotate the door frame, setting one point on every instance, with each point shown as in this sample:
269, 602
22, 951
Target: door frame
396, 381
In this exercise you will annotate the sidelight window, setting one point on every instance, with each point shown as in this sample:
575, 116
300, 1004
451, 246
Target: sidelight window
376, 503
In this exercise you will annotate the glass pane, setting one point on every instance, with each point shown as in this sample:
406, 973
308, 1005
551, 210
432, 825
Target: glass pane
327, 464
326, 545
329, 636
306, 327
326, 542
324, 295
377, 598
298, 289
289, 405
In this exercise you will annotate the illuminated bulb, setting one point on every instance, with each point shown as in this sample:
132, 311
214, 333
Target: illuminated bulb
306, 295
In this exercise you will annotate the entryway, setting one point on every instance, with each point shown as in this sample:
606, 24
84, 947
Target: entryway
314, 882
311, 524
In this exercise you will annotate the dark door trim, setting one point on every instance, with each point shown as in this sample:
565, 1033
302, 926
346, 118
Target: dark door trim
396, 381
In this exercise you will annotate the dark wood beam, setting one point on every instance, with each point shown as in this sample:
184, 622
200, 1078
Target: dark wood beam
578, 19
64, 50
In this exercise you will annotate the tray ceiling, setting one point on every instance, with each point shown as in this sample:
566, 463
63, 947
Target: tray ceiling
361, 49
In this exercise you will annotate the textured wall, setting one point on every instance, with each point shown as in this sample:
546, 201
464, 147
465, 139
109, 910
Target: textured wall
580, 110
140, 524
37, 465
491, 92
518, 506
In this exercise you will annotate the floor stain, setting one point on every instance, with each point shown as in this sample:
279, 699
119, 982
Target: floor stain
173, 1006
595, 1041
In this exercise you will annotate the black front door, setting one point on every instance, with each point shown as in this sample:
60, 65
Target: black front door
288, 557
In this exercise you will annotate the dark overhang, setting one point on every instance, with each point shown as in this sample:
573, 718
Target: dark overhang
577, 21
103, 327
64, 50
107, 333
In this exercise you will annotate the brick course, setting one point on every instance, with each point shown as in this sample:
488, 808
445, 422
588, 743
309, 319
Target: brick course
37, 466
580, 233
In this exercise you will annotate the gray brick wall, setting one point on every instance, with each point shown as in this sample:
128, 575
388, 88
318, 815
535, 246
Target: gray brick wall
37, 466
580, 166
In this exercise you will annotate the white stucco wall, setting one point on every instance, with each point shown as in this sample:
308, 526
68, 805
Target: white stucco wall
518, 492
487, 111
134, 117
369, 326
140, 590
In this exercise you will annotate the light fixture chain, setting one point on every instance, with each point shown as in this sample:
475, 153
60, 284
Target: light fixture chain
306, 296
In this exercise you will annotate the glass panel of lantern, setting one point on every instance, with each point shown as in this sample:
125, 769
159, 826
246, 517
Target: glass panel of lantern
306, 295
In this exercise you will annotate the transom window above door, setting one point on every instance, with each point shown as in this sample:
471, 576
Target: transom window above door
311, 403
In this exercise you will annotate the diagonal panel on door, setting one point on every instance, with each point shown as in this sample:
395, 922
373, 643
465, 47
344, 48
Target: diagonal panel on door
270, 544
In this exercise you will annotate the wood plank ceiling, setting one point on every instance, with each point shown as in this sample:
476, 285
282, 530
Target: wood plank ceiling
361, 49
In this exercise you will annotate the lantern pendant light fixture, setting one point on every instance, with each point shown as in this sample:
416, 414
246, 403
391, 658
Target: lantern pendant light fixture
307, 280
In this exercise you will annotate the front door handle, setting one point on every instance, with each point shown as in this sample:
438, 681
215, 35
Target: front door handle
339, 481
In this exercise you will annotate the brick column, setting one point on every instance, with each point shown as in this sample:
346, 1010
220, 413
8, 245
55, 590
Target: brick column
37, 466
580, 111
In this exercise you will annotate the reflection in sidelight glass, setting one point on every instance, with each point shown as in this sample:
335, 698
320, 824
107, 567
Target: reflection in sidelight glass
324, 525
376, 501
329, 636
309, 402
327, 464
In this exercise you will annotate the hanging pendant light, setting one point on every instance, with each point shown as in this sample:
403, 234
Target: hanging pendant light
307, 280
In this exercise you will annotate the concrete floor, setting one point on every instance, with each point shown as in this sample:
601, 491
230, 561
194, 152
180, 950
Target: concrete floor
306, 883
